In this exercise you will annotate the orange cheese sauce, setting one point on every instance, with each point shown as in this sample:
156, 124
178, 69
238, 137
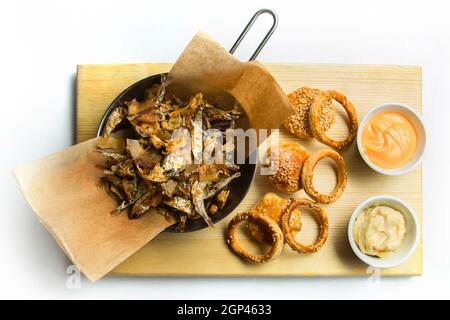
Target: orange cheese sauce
389, 140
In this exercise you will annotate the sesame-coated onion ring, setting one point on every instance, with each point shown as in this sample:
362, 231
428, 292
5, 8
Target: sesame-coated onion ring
265, 222
301, 101
308, 171
314, 119
323, 226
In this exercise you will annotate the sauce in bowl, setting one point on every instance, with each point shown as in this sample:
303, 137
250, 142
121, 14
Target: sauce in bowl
389, 140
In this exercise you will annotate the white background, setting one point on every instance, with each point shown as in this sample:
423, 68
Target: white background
43, 41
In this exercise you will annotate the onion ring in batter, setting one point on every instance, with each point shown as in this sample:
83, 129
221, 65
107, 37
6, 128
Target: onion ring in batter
298, 122
315, 121
266, 223
323, 226
308, 172
272, 205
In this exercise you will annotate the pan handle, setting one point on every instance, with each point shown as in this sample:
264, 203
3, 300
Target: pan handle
249, 25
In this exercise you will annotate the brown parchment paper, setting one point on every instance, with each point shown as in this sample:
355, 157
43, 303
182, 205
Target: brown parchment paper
63, 188
205, 66
63, 191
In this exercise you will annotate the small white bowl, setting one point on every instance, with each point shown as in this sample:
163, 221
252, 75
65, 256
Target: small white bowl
410, 240
416, 122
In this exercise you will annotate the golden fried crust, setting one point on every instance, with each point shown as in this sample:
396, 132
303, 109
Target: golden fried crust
308, 172
289, 162
272, 205
323, 226
315, 121
266, 223
301, 101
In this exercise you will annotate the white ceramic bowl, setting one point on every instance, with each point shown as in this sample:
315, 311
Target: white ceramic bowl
409, 243
417, 123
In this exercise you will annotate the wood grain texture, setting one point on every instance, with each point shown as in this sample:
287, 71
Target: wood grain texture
204, 253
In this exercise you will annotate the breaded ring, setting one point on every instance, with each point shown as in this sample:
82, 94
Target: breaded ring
315, 121
308, 172
301, 100
266, 223
288, 163
272, 206
323, 226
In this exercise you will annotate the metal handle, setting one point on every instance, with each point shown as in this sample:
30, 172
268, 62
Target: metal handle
249, 25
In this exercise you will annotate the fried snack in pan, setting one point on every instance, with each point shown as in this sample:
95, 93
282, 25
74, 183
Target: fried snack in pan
301, 100
289, 162
152, 169
264, 222
323, 226
308, 172
315, 119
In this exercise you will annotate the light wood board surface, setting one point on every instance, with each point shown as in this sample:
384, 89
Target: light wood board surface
204, 253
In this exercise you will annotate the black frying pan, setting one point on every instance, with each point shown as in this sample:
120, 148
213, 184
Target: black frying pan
238, 187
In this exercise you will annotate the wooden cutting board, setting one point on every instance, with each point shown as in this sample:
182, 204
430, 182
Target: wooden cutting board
204, 253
